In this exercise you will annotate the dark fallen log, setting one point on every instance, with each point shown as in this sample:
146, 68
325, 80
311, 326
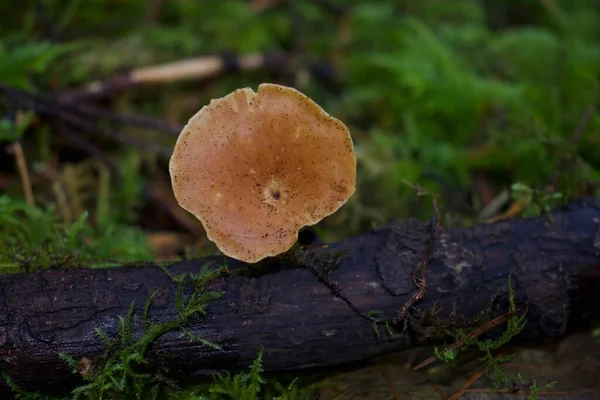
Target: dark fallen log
282, 308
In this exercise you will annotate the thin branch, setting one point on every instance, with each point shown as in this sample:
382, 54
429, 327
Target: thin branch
63, 113
17, 150
85, 110
461, 390
191, 69
472, 335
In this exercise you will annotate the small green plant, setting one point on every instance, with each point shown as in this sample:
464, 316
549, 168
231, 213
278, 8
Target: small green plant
243, 386
535, 200
34, 237
493, 363
31, 236
376, 321
514, 326
447, 354
249, 385
117, 373
532, 386
21, 394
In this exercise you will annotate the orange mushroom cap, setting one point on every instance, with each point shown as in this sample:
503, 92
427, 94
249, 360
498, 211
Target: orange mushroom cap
255, 168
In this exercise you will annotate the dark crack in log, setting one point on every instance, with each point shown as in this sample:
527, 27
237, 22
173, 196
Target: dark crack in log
283, 309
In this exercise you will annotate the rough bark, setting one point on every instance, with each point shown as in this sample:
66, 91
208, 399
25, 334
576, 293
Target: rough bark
283, 309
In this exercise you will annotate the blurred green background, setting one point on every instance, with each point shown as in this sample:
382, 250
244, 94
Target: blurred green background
464, 98
491, 104
478, 101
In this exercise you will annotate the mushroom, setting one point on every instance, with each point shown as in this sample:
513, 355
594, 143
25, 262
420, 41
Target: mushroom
256, 167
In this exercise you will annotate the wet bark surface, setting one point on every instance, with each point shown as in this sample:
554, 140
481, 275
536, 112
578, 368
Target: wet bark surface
283, 309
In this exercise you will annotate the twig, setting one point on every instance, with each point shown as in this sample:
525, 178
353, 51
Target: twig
439, 390
61, 111
17, 150
386, 375
411, 359
47, 103
472, 335
494, 206
88, 147
516, 208
61, 199
89, 127
160, 192
195, 68
127, 119
461, 390
71, 182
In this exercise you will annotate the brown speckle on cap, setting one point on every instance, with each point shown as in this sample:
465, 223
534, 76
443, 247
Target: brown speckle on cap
255, 168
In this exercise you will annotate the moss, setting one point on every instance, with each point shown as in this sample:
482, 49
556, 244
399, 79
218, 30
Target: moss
34, 238
487, 348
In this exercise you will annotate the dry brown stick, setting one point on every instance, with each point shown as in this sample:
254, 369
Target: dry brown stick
161, 193
196, 68
388, 379
56, 107
17, 150
87, 146
191, 69
472, 335
461, 390
78, 122
439, 390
